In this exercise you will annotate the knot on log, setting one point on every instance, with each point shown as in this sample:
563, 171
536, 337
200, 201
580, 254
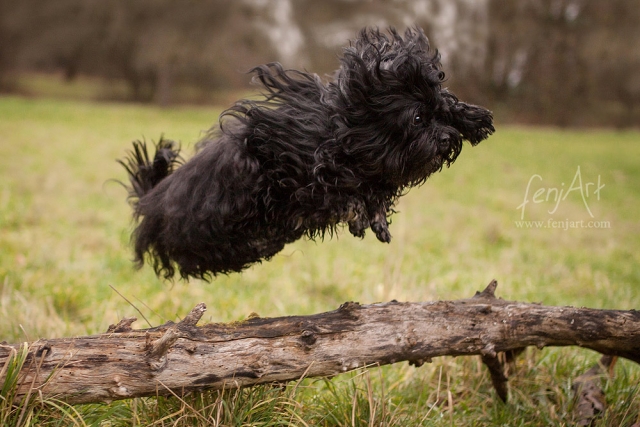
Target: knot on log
122, 326
308, 337
43, 350
411, 339
350, 365
158, 349
119, 391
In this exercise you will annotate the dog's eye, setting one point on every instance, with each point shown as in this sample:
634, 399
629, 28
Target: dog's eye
417, 118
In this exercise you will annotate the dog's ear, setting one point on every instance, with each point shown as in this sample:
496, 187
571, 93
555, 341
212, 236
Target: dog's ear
473, 122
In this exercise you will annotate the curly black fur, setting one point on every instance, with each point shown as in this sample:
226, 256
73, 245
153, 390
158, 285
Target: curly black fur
307, 158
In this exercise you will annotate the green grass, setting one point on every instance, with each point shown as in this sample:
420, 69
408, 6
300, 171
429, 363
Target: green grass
65, 224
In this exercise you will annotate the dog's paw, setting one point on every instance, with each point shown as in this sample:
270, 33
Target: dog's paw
356, 217
358, 227
380, 226
382, 232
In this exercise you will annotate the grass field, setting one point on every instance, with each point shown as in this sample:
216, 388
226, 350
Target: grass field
65, 224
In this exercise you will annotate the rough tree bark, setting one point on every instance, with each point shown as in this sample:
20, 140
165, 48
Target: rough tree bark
182, 357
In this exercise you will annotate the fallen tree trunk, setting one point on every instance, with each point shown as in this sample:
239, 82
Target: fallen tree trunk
182, 357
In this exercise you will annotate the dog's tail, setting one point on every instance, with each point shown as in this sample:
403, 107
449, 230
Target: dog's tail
144, 173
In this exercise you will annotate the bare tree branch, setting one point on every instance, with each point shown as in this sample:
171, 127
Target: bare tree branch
182, 357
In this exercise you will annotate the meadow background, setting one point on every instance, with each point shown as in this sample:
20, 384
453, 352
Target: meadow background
81, 79
64, 252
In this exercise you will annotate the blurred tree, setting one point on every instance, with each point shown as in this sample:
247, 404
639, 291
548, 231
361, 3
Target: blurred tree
566, 61
8, 43
554, 61
151, 44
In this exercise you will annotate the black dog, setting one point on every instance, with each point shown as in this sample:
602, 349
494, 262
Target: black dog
308, 158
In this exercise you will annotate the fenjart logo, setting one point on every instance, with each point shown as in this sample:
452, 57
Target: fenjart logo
587, 191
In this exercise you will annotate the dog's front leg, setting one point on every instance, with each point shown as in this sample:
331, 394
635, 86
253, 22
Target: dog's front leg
380, 225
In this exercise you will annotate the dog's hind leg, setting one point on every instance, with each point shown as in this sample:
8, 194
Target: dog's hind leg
357, 218
358, 226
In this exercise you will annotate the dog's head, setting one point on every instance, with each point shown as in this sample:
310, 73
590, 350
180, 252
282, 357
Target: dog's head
394, 118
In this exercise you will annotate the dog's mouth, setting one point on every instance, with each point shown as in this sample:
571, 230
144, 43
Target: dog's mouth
428, 154
417, 169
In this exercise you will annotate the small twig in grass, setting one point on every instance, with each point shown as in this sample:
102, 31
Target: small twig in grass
155, 313
304, 374
354, 405
26, 335
184, 403
450, 398
132, 305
